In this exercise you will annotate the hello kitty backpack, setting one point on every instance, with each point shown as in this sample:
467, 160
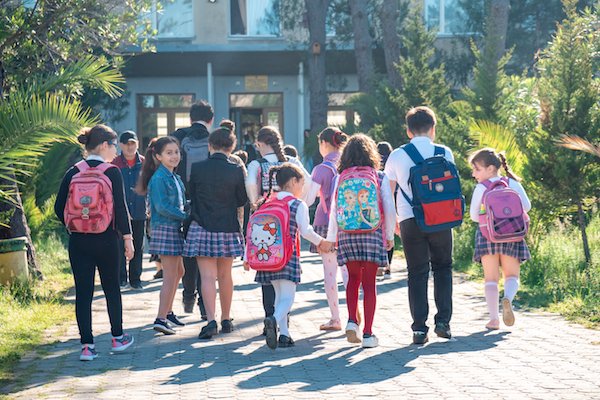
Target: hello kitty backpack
269, 244
502, 218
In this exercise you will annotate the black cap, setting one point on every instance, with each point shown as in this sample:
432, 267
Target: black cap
128, 136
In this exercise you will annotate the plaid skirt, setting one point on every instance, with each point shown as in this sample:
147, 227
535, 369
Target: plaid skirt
202, 243
362, 247
290, 272
483, 247
166, 240
322, 231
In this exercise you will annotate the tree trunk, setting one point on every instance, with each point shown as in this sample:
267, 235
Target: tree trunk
584, 238
388, 14
316, 14
17, 225
362, 45
497, 28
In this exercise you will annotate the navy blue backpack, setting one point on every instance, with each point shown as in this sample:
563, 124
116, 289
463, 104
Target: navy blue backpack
437, 202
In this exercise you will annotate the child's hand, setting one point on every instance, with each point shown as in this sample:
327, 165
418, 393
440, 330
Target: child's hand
397, 229
325, 247
389, 245
246, 266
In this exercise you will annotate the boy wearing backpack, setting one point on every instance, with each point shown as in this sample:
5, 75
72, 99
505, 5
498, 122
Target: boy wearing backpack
429, 203
500, 205
193, 143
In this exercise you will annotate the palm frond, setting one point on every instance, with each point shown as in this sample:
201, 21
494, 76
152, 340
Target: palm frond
489, 134
575, 142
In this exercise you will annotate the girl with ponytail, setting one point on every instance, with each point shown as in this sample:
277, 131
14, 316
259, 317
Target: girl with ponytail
290, 179
270, 146
331, 141
486, 164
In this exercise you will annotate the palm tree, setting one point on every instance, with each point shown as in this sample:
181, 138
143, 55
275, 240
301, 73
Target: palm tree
575, 142
34, 117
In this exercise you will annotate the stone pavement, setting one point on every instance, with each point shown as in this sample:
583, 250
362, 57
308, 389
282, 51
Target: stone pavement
541, 357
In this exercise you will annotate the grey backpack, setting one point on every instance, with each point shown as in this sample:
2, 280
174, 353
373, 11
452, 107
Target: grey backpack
195, 150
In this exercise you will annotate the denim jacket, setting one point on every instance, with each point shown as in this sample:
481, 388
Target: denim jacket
135, 202
163, 198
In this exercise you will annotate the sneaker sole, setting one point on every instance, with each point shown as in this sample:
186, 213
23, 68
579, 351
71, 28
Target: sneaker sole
123, 347
162, 329
352, 336
369, 345
271, 332
87, 358
508, 315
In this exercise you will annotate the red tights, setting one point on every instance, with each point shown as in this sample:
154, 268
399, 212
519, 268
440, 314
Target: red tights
366, 273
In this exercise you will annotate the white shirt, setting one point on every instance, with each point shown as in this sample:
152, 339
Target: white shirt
398, 166
389, 213
480, 189
302, 220
253, 180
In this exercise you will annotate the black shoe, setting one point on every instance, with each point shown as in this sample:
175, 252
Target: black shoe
123, 285
271, 332
161, 325
137, 286
158, 275
208, 330
173, 318
226, 326
442, 329
285, 341
420, 337
188, 307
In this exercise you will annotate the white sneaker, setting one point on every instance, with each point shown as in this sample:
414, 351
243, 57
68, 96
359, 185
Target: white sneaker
369, 342
353, 332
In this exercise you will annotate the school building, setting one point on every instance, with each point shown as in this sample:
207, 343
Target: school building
236, 55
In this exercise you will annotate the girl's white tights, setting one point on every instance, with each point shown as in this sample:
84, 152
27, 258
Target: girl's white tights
285, 291
511, 286
491, 298
330, 268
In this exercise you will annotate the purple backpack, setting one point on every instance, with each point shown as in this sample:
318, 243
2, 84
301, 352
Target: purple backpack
502, 218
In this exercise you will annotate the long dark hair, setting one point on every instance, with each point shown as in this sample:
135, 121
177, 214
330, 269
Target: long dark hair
360, 151
488, 156
333, 136
151, 163
95, 136
282, 173
270, 136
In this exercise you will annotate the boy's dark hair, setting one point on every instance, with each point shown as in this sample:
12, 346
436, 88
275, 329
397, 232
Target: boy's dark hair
223, 138
290, 150
420, 120
95, 136
359, 151
201, 111
151, 163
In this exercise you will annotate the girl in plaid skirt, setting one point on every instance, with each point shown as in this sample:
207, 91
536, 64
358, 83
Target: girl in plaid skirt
216, 190
290, 179
166, 195
363, 253
486, 164
323, 175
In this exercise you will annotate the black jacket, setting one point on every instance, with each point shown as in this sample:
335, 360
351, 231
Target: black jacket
216, 191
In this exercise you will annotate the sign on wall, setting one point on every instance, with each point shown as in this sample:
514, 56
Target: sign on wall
256, 83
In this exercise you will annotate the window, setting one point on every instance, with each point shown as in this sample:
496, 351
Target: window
174, 19
161, 114
447, 16
255, 17
339, 113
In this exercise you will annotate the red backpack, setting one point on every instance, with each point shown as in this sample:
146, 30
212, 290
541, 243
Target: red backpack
89, 207
269, 244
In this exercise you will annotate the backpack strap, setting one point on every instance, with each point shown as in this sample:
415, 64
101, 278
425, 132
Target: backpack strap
490, 185
83, 166
439, 151
413, 153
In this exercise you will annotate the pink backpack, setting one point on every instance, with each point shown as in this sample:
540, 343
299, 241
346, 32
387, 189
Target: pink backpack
502, 218
269, 244
89, 207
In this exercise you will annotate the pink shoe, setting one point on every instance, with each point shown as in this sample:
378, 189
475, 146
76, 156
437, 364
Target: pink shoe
123, 343
87, 353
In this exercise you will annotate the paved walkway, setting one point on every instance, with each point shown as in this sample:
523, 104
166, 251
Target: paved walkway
541, 357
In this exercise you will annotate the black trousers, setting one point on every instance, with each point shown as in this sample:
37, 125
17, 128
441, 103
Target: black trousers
138, 229
192, 283
86, 252
425, 251
268, 299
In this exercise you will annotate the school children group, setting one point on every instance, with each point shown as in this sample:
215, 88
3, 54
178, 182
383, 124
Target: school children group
196, 190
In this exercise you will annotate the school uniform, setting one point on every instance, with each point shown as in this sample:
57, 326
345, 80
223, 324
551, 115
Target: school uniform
88, 251
518, 250
217, 191
166, 194
423, 251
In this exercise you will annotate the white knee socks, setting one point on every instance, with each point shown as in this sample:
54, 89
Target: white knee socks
511, 286
285, 291
330, 282
491, 298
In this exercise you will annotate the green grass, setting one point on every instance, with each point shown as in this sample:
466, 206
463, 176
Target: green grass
557, 277
29, 309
